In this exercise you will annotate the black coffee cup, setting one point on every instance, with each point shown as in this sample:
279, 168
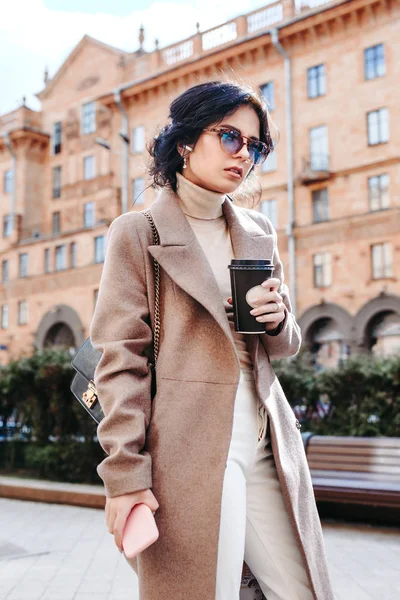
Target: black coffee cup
246, 274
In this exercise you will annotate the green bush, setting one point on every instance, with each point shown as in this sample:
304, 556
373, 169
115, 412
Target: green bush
68, 460
362, 395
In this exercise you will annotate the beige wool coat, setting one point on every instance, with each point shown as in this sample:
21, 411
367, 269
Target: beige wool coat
177, 444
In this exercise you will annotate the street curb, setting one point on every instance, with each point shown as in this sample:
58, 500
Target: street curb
90, 496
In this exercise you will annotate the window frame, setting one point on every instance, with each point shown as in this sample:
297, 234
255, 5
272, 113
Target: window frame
88, 117
5, 271
316, 74
86, 159
324, 201
96, 249
22, 304
92, 213
23, 264
6, 225
325, 269
56, 178
374, 61
4, 316
56, 138
378, 112
382, 196
138, 148
386, 268
56, 219
268, 97
60, 255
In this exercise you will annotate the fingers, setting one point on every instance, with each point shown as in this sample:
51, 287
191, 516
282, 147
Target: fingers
119, 528
273, 283
271, 307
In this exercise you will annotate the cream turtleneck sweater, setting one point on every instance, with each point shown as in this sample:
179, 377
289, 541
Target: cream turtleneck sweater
203, 210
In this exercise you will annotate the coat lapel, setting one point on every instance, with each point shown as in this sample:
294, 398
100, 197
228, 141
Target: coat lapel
181, 256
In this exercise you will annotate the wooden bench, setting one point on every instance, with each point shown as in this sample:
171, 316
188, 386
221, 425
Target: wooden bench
355, 470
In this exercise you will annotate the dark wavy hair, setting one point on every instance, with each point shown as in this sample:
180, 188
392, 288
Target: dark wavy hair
194, 110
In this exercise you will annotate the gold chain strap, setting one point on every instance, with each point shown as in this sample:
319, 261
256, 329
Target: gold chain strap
157, 324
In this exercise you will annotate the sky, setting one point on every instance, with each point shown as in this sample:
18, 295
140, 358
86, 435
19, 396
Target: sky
35, 34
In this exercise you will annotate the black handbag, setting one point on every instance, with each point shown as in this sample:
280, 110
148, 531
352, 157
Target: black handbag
87, 357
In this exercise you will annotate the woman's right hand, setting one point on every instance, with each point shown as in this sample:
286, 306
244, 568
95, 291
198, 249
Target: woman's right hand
119, 508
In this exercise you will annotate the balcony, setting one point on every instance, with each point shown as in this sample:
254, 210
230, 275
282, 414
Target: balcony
315, 168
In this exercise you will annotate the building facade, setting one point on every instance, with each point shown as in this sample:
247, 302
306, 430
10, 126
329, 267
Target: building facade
329, 72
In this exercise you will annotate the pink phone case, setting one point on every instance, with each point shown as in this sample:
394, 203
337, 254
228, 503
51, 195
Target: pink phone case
140, 530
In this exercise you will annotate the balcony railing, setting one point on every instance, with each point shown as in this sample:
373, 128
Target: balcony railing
315, 168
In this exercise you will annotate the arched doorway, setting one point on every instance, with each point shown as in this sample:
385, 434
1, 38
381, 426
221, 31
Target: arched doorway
327, 331
59, 335
60, 327
378, 326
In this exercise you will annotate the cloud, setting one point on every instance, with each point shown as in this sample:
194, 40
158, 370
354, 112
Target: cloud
33, 36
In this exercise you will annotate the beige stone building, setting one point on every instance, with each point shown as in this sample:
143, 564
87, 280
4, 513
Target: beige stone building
330, 73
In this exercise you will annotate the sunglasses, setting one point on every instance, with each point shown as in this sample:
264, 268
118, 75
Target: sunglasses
232, 141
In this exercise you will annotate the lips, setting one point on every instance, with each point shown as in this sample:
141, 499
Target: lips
237, 171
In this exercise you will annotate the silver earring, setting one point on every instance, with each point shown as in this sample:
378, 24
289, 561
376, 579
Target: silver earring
184, 163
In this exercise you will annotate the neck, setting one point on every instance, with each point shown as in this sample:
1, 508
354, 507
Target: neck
198, 202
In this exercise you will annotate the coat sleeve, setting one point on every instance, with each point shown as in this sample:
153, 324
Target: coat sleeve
120, 329
285, 340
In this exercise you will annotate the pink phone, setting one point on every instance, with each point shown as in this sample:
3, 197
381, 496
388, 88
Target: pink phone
140, 530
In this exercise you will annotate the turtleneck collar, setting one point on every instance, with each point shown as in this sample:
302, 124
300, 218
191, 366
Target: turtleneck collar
197, 202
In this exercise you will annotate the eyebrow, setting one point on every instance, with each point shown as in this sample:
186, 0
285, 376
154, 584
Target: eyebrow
251, 137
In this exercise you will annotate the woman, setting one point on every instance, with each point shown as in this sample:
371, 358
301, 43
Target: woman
217, 454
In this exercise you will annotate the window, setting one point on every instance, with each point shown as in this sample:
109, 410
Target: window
8, 182
61, 262
4, 271
88, 214
56, 138
99, 249
56, 222
269, 208
322, 270
4, 316
138, 139
382, 263
374, 62
378, 187
88, 123
23, 264
268, 94
138, 192
6, 225
378, 126
56, 182
320, 205
47, 266
316, 83
72, 255
22, 312
319, 158
88, 167
270, 163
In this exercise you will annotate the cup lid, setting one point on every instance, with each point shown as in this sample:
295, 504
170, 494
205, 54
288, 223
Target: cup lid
263, 262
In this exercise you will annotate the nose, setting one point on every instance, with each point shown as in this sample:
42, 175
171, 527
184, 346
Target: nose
244, 153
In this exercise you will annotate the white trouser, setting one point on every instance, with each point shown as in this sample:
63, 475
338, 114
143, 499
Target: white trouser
254, 523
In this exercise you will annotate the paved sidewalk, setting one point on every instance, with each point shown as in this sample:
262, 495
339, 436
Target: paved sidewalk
59, 552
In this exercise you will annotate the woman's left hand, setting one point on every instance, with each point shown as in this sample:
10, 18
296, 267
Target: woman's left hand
269, 306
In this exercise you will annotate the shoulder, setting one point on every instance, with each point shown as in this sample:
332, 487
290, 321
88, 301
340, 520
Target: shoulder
132, 224
258, 217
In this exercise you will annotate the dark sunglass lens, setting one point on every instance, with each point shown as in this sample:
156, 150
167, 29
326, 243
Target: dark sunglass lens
231, 141
257, 152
